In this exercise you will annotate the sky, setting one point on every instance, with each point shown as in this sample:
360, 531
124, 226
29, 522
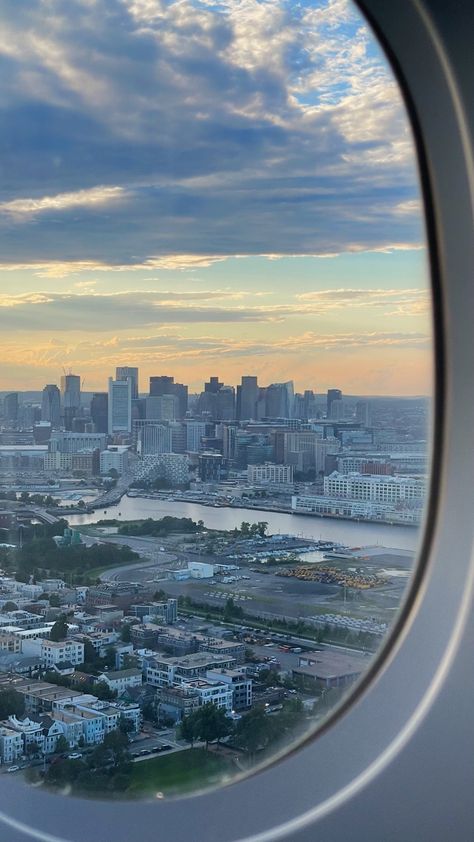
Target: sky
201, 188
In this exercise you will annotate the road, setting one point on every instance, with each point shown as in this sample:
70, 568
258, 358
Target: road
153, 737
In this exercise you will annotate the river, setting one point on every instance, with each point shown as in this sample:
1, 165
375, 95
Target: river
352, 533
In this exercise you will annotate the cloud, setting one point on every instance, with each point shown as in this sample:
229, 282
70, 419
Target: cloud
406, 302
98, 311
95, 196
101, 356
93, 311
144, 134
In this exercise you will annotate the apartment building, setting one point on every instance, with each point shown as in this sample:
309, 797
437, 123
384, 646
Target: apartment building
119, 680
240, 684
164, 671
383, 489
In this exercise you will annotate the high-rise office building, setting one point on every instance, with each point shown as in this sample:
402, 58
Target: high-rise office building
333, 395
225, 404
120, 406
323, 449
337, 410
124, 371
178, 436
280, 400
213, 385
10, 408
195, 431
153, 438
305, 406
51, 405
162, 407
164, 385
247, 396
229, 441
363, 413
100, 412
71, 398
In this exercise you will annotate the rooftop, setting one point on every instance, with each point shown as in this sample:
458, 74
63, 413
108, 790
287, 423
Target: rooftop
329, 664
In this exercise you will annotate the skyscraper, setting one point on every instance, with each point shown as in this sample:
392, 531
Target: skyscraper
333, 395
10, 408
247, 398
213, 385
280, 400
164, 385
71, 398
120, 406
124, 371
51, 405
100, 412
363, 413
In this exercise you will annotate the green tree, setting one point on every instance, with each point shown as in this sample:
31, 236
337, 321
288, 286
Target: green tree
62, 745
187, 729
255, 730
103, 692
59, 629
12, 703
126, 633
125, 725
32, 749
54, 600
232, 611
10, 606
109, 659
211, 723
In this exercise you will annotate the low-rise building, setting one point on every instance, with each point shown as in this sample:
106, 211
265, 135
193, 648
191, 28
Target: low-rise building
54, 652
9, 643
163, 671
11, 744
218, 693
225, 648
39, 696
240, 684
270, 473
119, 680
327, 669
178, 702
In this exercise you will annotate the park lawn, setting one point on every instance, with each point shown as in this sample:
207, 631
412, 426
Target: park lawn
182, 771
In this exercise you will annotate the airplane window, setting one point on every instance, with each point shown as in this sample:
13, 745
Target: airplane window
216, 385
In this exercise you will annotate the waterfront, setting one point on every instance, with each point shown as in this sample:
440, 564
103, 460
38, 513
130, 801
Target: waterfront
352, 533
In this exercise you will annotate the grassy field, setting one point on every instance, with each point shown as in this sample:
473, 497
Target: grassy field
180, 772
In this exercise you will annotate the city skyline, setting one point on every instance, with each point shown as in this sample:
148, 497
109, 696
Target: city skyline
180, 198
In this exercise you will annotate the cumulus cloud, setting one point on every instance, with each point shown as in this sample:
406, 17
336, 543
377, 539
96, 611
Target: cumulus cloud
142, 133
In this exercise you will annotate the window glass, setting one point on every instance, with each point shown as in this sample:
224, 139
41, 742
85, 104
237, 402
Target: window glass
215, 387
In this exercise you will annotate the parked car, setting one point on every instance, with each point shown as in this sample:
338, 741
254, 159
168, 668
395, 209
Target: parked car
76, 755
13, 769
